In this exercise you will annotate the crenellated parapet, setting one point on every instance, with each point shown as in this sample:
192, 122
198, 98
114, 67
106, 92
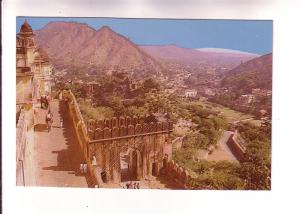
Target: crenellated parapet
124, 127
142, 138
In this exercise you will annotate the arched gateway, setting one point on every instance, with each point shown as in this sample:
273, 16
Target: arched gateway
128, 148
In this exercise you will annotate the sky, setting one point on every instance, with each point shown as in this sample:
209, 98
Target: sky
242, 35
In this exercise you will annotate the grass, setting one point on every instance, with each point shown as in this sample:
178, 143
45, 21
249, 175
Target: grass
230, 114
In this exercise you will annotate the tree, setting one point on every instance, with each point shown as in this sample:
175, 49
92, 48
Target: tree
256, 165
256, 168
150, 84
116, 104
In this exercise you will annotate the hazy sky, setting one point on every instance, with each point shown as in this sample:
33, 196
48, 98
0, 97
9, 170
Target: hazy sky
249, 36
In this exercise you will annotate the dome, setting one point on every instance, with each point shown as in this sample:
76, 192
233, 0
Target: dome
26, 28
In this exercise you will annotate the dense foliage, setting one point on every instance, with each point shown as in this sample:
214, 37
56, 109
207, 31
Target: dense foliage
256, 166
254, 171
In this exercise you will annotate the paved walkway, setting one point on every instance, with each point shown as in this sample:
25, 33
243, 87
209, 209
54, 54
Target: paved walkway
57, 154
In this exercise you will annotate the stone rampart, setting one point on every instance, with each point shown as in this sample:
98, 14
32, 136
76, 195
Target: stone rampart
177, 174
102, 142
236, 145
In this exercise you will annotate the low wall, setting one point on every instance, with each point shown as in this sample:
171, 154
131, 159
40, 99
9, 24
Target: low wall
21, 148
25, 147
236, 146
177, 174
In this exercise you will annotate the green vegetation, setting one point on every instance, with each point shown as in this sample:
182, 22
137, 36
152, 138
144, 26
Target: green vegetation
228, 113
256, 166
89, 112
116, 97
253, 172
216, 175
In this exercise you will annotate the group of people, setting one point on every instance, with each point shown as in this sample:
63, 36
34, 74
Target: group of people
132, 185
83, 168
45, 103
45, 99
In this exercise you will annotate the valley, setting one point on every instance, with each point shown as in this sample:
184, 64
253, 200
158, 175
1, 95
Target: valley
197, 117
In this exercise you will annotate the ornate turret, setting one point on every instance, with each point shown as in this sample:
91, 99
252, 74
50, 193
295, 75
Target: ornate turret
26, 29
25, 46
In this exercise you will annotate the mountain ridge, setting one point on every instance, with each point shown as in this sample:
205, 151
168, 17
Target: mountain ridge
77, 44
255, 73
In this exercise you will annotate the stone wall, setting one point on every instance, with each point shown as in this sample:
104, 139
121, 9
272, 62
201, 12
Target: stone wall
177, 174
146, 143
21, 144
236, 146
24, 147
23, 88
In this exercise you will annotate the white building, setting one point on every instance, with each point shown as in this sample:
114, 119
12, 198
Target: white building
190, 93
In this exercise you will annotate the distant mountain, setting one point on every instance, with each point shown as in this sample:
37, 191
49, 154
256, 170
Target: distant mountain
256, 73
75, 45
204, 57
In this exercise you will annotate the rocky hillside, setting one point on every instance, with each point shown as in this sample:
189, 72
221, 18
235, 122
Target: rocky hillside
256, 73
71, 45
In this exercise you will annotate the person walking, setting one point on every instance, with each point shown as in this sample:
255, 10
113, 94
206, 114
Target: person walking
137, 185
49, 119
81, 168
61, 122
84, 168
43, 100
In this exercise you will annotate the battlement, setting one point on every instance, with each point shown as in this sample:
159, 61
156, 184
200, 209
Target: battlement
143, 136
123, 127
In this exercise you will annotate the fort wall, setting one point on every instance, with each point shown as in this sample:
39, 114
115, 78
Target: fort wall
146, 142
236, 146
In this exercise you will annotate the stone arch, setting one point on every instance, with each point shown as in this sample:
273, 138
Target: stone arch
135, 164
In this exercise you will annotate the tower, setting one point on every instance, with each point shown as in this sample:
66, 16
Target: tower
25, 48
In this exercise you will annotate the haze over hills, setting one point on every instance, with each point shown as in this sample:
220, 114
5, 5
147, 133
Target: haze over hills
207, 57
80, 46
224, 50
256, 73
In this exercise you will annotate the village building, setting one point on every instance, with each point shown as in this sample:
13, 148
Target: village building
246, 99
190, 93
261, 92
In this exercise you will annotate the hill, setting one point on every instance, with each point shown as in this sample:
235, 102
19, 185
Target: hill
199, 57
72, 45
256, 73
